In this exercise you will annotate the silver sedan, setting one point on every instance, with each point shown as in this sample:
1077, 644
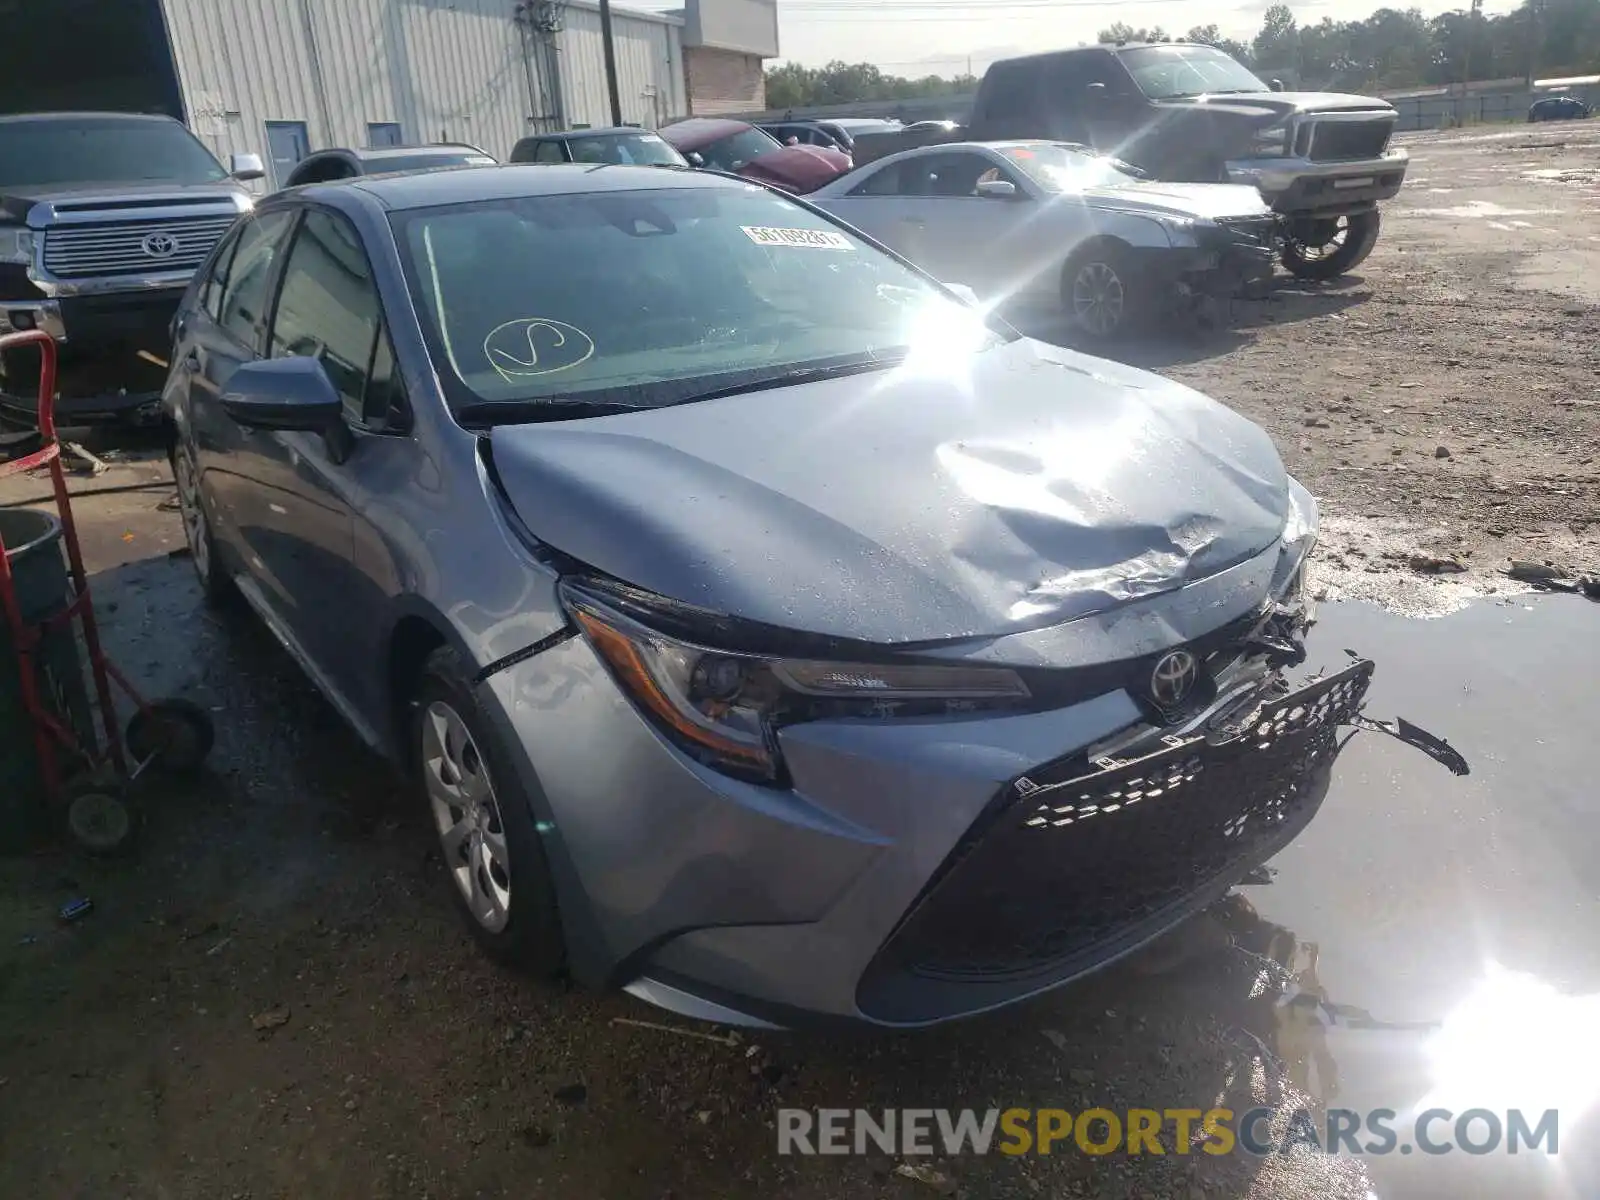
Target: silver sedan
1058, 221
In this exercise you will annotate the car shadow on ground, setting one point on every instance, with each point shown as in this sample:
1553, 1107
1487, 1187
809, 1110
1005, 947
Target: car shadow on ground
1211, 333
276, 984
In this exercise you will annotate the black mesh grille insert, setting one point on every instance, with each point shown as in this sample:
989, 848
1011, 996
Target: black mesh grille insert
1078, 857
1348, 141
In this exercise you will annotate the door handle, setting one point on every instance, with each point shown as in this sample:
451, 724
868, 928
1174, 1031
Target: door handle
191, 360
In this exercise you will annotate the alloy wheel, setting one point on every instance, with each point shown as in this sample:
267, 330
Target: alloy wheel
472, 836
1098, 298
194, 517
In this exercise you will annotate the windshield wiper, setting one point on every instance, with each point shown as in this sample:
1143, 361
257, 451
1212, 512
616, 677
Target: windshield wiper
529, 412
799, 375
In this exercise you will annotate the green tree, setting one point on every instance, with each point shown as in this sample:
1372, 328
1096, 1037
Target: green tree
1278, 43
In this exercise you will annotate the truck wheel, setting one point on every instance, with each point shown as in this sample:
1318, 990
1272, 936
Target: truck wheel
1324, 248
1100, 291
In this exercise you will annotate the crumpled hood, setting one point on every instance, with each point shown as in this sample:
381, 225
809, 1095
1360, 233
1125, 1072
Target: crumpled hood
797, 168
1207, 201
1023, 487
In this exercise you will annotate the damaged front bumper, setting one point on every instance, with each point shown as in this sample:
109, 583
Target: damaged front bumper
872, 885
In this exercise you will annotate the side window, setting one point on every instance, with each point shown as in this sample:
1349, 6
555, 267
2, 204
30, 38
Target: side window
549, 152
1071, 74
248, 294
328, 307
1010, 90
945, 174
217, 278
884, 182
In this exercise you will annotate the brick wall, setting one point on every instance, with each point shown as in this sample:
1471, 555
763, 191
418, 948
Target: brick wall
723, 81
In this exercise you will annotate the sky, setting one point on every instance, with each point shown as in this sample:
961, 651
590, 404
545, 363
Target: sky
935, 37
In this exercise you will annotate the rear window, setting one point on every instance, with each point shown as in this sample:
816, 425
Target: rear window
424, 162
640, 149
59, 153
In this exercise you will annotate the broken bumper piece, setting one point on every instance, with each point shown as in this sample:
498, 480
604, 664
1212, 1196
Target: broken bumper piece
1080, 862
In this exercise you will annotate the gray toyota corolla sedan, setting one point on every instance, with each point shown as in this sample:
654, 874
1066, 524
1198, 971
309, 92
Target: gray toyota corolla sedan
773, 634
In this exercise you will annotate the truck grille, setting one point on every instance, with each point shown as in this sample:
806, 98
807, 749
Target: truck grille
1079, 860
82, 251
1349, 141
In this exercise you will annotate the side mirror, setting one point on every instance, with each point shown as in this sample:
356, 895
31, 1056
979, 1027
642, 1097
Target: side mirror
245, 167
283, 393
696, 159
1276, 85
998, 189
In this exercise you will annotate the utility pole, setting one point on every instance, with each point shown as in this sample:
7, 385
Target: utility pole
610, 48
1466, 69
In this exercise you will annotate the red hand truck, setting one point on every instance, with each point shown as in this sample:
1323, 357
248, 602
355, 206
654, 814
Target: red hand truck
88, 780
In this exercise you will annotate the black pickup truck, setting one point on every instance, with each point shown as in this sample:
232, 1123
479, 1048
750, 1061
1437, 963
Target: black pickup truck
103, 219
1191, 113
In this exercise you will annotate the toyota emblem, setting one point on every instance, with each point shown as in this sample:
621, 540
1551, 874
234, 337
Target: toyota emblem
160, 245
1174, 678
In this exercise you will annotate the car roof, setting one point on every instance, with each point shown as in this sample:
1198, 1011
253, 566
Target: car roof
379, 153
606, 131
464, 185
132, 118
1109, 47
701, 131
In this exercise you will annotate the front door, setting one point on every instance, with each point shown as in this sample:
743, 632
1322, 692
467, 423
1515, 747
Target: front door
227, 330
964, 237
301, 482
288, 143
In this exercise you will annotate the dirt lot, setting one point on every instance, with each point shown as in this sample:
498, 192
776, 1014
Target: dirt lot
274, 999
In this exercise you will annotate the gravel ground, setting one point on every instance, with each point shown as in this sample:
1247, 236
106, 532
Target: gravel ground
274, 999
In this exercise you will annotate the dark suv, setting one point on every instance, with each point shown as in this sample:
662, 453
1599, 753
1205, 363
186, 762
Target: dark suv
1191, 113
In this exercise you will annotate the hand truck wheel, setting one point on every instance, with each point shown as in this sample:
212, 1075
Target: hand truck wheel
174, 735
99, 817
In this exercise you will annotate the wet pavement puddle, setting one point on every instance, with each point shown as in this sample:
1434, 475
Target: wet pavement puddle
1444, 942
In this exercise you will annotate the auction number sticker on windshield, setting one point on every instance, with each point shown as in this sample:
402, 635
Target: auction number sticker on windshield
810, 239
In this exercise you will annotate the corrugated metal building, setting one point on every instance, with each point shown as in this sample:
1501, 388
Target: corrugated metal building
283, 77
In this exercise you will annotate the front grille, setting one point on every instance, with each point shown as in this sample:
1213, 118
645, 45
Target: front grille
1078, 859
1349, 141
133, 248
1250, 231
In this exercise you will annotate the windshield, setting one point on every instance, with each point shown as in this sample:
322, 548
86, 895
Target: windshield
59, 153
735, 150
1167, 72
647, 298
1060, 168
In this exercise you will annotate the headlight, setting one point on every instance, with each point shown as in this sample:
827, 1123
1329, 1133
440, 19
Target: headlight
16, 245
1270, 143
726, 708
1299, 537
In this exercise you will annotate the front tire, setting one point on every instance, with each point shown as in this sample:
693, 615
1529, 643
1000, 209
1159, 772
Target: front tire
1323, 248
498, 874
1101, 293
